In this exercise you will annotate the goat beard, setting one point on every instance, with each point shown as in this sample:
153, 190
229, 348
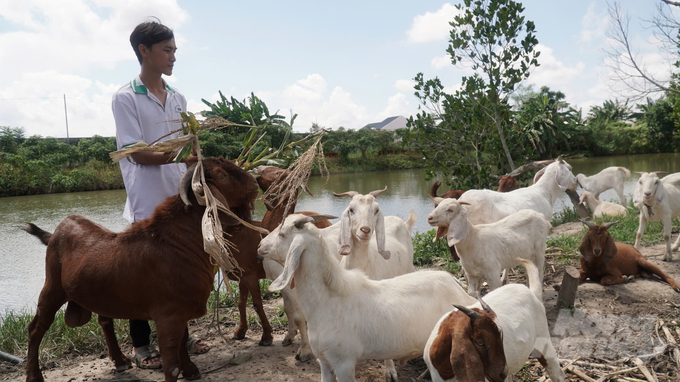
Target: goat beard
441, 232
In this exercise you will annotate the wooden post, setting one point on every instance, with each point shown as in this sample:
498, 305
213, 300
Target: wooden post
567, 294
580, 208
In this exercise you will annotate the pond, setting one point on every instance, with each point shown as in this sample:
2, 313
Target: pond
22, 257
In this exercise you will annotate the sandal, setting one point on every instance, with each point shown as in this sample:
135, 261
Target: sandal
192, 343
146, 353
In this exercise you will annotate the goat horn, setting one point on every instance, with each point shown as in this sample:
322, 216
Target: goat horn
306, 189
607, 225
639, 172
661, 172
318, 218
486, 306
465, 203
184, 184
588, 223
469, 312
348, 193
303, 221
259, 169
378, 192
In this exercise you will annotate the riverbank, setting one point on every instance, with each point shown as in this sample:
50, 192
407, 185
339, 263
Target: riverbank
629, 311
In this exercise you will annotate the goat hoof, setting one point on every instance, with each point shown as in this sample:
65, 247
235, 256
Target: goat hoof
303, 357
267, 342
192, 377
287, 342
123, 367
238, 336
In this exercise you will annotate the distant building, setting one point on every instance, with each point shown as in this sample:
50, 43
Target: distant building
388, 124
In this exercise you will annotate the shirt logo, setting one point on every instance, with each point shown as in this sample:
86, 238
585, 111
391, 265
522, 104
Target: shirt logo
178, 109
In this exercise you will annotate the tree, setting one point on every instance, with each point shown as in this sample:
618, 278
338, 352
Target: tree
493, 38
629, 75
11, 138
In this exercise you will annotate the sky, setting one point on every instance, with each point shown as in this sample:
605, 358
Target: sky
333, 63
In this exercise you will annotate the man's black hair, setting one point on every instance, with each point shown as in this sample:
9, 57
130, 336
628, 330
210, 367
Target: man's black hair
149, 33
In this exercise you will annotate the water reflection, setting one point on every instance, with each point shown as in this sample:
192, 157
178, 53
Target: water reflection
22, 257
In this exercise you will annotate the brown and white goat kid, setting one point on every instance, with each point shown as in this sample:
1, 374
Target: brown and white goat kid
155, 270
507, 183
462, 349
608, 262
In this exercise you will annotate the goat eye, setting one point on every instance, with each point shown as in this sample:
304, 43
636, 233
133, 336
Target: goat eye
480, 343
376, 211
351, 210
281, 234
223, 176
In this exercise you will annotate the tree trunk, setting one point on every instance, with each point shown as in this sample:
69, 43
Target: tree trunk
580, 208
499, 125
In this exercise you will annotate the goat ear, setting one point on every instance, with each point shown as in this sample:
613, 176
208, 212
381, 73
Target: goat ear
380, 235
345, 237
292, 263
585, 248
609, 249
539, 174
465, 360
457, 228
660, 192
637, 194
224, 218
562, 178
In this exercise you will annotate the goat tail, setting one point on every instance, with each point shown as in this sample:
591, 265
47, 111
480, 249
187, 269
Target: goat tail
411, 221
535, 282
652, 268
38, 232
626, 172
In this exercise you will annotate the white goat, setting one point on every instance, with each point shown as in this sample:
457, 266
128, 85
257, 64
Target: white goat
360, 249
487, 249
610, 177
350, 316
520, 316
658, 199
487, 206
600, 208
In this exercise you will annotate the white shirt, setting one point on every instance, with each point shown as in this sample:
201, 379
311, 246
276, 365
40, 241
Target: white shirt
140, 116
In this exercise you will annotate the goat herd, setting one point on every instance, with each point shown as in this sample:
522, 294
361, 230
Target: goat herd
349, 288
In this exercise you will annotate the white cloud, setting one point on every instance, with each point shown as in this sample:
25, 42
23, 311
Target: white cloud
432, 26
441, 62
593, 25
310, 99
404, 85
54, 45
552, 72
396, 105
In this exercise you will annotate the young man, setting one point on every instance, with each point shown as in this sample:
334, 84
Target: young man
143, 109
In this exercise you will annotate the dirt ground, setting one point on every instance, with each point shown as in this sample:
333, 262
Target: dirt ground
603, 333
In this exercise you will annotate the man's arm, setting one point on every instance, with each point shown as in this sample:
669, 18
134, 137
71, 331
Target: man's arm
156, 159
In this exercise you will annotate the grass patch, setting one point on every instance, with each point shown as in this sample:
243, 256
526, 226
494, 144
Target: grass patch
60, 340
427, 253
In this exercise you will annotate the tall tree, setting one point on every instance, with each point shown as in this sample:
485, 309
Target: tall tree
495, 40
630, 76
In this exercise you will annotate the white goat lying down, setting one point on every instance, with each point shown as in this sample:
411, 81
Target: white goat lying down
520, 316
349, 316
658, 199
610, 177
600, 208
487, 206
487, 249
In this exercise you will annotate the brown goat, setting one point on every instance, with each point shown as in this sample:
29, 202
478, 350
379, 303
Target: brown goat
451, 194
608, 262
507, 184
155, 270
246, 241
468, 346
